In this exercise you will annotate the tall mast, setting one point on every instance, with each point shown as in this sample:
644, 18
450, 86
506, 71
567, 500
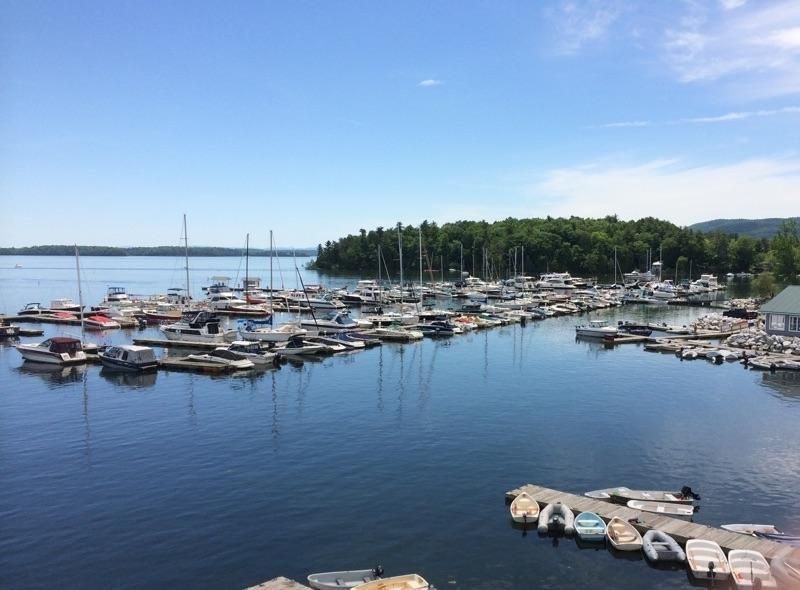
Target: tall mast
660, 261
246, 264
186, 253
380, 287
522, 265
461, 275
80, 292
420, 256
271, 294
400, 248
441, 266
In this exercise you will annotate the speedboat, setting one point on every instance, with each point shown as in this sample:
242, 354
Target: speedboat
749, 569
251, 351
524, 509
126, 357
225, 357
623, 535
437, 328
64, 304
596, 329
346, 579
99, 322
59, 350
685, 496
33, 309
297, 347
262, 331
706, 560
333, 322
198, 326
590, 527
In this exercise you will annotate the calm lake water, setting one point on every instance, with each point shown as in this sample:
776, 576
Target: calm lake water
399, 455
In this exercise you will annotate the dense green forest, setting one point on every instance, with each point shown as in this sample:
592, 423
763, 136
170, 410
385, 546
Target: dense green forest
59, 250
755, 228
577, 245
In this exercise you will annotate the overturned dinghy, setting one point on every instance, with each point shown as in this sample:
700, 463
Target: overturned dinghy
556, 517
346, 579
524, 509
659, 547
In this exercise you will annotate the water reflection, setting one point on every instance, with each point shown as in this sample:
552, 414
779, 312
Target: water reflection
129, 379
54, 375
783, 384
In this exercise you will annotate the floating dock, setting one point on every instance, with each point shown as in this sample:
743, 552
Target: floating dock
279, 584
680, 530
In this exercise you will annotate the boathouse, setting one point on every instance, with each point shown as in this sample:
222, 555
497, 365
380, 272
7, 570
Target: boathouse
782, 313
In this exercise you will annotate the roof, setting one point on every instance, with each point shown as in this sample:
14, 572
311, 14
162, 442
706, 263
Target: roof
132, 347
787, 301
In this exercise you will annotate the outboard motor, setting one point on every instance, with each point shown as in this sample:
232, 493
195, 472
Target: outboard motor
687, 492
557, 522
378, 571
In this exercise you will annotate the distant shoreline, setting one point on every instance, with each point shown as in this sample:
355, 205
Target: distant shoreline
167, 251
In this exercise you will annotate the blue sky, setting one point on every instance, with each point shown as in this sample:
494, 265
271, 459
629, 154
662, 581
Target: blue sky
315, 119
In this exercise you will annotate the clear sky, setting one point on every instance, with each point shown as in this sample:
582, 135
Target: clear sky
315, 119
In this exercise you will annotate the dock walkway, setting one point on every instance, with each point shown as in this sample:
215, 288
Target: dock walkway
280, 583
681, 530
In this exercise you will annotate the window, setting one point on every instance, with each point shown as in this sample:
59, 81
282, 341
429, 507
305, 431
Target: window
777, 321
794, 323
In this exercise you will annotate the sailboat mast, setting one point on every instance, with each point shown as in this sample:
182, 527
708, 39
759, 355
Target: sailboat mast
186, 254
420, 257
400, 248
80, 292
271, 304
246, 265
615, 265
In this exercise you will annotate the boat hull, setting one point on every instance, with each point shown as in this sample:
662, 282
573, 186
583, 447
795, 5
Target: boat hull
53, 358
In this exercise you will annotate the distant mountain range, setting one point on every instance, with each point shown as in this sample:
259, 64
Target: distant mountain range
755, 228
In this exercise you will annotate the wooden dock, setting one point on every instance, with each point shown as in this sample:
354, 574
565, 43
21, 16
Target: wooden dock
680, 530
279, 584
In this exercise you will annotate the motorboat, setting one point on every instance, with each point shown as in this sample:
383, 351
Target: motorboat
406, 582
685, 496
336, 343
163, 312
555, 280
297, 347
64, 304
786, 571
666, 508
333, 322
394, 334
262, 331
8, 330
127, 357
596, 329
659, 547
345, 579
707, 560
198, 326
437, 328
33, 309
59, 350
749, 569
556, 517
252, 351
325, 302
226, 302
116, 296
605, 494
590, 527
100, 322
623, 535
225, 357
524, 509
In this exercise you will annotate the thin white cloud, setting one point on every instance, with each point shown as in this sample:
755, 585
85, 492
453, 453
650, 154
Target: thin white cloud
578, 22
756, 47
429, 83
670, 189
733, 116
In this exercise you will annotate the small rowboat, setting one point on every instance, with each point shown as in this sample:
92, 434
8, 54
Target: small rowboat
345, 579
406, 582
752, 529
750, 567
590, 527
685, 496
524, 509
605, 494
675, 510
707, 560
623, 535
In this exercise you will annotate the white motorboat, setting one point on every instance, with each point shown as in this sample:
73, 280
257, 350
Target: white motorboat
297, 347
251, 351
605, 494
685, 496
225, 357
555, 280
59, 350
64, 304
100, 322
263, 331
126, 357
33, 309
667, 508
524, 509
406, 582
707, 560
596, 329
334, 322
749, 568
345, 579
623, 535
198, 326
226, 301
